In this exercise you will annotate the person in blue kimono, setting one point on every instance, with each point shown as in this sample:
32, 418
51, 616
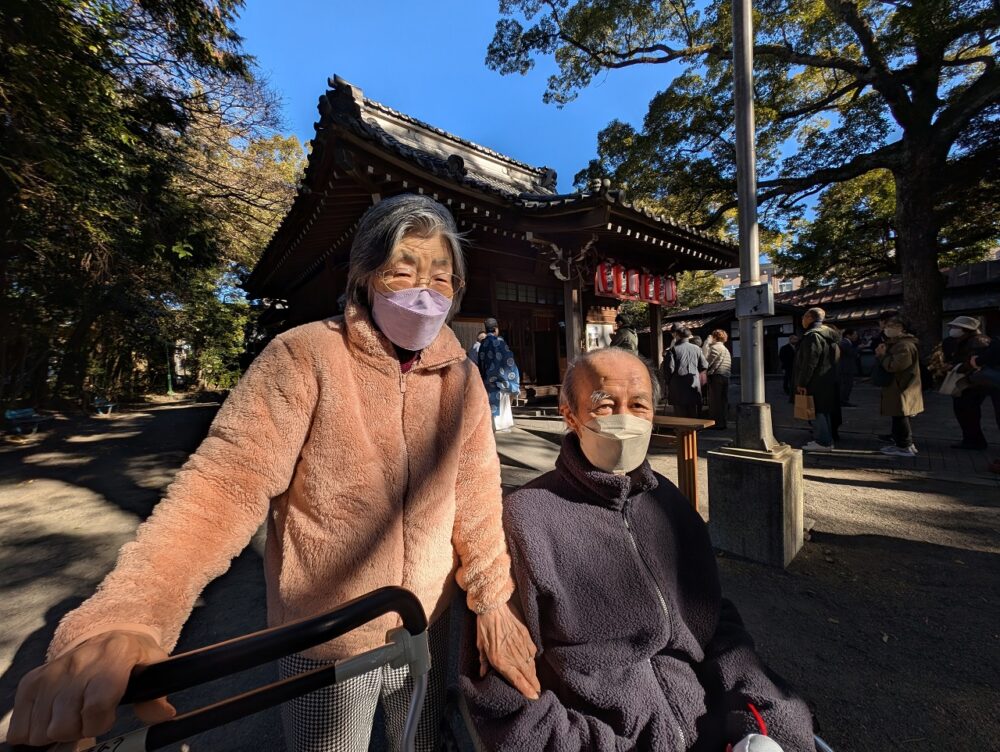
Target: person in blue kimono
500, 375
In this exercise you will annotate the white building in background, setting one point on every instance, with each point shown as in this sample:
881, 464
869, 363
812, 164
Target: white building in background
768, 273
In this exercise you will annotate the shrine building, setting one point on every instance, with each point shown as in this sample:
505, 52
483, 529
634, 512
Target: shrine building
552, 268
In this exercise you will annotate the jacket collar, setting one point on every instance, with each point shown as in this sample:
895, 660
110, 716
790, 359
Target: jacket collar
596, 486
368, 342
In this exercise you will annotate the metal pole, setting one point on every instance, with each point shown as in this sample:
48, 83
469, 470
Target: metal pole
170, 383
751, 328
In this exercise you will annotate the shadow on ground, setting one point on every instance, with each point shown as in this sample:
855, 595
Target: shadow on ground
895, 651
125, 461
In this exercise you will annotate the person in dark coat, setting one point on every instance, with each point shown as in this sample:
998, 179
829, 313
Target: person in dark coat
618, 585
816, 375
682, 372
786, 356
625, 337
964, 342
849, 366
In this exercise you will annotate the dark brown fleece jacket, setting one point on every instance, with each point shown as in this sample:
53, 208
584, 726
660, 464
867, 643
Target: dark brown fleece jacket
637, 649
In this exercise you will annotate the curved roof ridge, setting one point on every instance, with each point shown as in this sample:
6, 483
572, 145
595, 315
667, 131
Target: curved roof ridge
452, 137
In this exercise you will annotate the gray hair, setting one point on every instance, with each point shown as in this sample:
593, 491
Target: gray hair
384, 226
566, 394
817, 313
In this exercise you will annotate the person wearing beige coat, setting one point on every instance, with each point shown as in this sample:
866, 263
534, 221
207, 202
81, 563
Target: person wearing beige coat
373, 463
902, 397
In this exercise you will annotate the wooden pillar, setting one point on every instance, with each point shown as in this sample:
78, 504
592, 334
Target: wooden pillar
687, 464
571, 314
656, 335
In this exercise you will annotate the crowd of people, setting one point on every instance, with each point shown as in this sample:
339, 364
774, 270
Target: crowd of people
823, 363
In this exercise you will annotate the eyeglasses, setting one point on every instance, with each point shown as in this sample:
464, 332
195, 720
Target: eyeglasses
404, 278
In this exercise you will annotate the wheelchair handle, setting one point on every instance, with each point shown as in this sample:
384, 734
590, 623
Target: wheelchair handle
406, 647
205, 664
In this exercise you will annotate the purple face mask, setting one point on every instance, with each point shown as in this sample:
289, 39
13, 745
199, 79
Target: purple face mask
412, 318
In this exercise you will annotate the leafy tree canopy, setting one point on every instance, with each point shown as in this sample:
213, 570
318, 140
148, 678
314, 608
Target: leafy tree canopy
139, 165
843, 88
697, 288
851, 237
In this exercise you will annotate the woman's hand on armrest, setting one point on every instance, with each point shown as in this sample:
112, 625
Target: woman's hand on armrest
505, 644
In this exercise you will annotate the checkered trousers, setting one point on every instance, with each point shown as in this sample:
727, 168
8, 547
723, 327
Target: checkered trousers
340, 718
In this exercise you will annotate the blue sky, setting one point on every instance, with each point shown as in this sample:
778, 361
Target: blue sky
427, 59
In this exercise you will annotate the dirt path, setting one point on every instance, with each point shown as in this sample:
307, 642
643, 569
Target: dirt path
67, 503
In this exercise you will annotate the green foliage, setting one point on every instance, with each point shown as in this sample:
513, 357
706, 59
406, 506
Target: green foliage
136, 151
697, 288
842, 89
852, 238
635, 313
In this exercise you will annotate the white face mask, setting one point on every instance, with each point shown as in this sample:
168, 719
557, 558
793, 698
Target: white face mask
893, 331
616, 443
956, 332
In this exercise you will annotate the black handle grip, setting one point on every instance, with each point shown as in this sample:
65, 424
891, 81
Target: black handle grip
205, 664
196, 667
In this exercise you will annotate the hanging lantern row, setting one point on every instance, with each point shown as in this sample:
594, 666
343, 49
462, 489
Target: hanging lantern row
615, 281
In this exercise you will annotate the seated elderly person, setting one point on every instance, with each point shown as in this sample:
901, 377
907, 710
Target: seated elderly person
619, 589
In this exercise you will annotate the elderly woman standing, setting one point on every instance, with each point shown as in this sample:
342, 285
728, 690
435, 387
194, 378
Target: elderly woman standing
365, 442
902, 397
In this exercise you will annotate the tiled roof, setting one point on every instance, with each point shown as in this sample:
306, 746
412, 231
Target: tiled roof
709, 311
372, 120
372, 104
617, 197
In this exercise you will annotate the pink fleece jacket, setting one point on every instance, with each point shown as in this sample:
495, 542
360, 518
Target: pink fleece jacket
366, 477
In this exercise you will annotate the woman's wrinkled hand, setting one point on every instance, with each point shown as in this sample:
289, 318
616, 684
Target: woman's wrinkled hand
75, 696
505, 644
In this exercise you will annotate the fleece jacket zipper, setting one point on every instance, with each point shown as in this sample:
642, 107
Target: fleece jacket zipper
652, 579
663, 606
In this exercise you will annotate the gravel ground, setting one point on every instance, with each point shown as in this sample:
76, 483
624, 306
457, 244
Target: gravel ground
887, 621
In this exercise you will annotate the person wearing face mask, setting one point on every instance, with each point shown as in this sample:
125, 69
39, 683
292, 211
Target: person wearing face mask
902, 397
364, 442
965, 341
618, 584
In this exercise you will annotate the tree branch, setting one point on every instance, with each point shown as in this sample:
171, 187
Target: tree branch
886, 157
884, 80
953, 118
789, 55
821, 104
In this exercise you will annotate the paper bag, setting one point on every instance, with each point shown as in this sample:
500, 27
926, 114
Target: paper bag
805, 408
505, 420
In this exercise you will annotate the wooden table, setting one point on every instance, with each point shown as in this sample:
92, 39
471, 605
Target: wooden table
686, 431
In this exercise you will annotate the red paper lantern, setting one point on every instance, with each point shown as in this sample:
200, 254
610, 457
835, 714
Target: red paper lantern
621, 280
668, 291
604, 280
632, 284
649, 289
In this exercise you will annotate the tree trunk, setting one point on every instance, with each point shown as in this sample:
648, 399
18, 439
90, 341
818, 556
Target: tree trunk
73, 367
917, 246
